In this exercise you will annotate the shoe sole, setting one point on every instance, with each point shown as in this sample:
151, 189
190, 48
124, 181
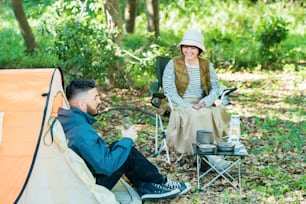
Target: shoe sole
188, 187
167, 195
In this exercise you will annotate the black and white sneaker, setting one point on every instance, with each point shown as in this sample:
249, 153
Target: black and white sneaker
151, 191
184, 187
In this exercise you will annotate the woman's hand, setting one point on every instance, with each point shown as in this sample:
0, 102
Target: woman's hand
196, 107
202, 104
199, 106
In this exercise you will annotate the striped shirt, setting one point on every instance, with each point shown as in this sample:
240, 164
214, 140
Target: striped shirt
194, 88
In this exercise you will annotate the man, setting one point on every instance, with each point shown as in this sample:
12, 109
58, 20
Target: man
109, 163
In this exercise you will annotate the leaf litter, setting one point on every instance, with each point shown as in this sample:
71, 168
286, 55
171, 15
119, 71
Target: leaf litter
267, 118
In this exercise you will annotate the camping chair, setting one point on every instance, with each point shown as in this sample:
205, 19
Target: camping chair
164, 105
158, 100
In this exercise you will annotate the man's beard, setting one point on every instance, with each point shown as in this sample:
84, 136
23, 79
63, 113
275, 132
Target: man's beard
91, 111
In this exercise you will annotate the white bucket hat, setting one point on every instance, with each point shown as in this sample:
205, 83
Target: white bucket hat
193, 38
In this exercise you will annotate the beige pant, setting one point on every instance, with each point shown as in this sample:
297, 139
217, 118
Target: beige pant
184, 123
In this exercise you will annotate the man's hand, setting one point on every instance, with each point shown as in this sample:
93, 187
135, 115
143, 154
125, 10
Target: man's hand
130, 133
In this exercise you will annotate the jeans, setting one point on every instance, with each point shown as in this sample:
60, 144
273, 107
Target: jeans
136, 168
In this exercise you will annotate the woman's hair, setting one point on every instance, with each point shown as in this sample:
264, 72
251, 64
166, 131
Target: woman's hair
79, 85
200, 50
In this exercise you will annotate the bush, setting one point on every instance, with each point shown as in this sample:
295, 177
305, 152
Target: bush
85, 45
272, 32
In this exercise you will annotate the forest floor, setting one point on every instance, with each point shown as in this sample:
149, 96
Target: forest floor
272, 111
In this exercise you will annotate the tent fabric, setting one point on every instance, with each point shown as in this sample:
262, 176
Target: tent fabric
79, 166
1, 122
35, 167
23, 105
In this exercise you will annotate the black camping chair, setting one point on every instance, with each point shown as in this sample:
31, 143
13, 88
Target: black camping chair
159, 99
156, 100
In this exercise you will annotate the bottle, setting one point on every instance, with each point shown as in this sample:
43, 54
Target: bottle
234, 131
126, 121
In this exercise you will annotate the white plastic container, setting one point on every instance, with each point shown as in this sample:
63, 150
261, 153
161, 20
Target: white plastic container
234, 131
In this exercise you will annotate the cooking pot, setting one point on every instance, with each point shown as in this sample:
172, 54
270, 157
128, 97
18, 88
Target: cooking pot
205, 137
207, 148
225, 147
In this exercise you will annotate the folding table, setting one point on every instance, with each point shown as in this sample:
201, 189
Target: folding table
238, 155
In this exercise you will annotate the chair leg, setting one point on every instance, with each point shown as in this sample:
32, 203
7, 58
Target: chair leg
156, 133
179, 159
163, 146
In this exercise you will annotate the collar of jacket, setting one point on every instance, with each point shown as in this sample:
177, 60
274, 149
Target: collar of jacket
89, 118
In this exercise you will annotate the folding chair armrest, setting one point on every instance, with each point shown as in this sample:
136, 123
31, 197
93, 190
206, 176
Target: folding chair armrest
163, 104
156, 99
170, 102
159, 95
227, 92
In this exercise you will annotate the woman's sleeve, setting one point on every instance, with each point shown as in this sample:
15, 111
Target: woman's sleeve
170, 87
214, 88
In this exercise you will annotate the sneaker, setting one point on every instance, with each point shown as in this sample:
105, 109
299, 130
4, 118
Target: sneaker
151, 191
183, 187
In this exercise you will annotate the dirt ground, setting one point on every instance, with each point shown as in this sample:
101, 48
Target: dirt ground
258, 96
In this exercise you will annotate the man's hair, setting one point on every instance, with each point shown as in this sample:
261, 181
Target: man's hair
79, 85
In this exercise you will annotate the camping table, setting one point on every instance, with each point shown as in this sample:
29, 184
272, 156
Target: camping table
237, 155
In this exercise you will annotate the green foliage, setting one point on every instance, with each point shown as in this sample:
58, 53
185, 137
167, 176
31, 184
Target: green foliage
16, 56
86, 46
140, 51
36, 8
74, 35
12, 52
272, 32
232, 28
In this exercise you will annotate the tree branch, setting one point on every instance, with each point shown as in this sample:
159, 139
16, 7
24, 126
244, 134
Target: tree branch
126, 107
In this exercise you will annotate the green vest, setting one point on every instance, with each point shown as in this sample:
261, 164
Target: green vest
181, 74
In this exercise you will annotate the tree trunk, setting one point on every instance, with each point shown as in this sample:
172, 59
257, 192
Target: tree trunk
153, 16
113, 17
114, 21
129, 15
25, 28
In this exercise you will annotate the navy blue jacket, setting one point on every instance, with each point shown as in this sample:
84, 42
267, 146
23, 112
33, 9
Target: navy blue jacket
85, 141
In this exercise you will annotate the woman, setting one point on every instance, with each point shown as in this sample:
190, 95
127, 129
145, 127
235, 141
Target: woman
192, 85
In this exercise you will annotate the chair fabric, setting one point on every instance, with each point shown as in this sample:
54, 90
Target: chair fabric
161, 63
159, 100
